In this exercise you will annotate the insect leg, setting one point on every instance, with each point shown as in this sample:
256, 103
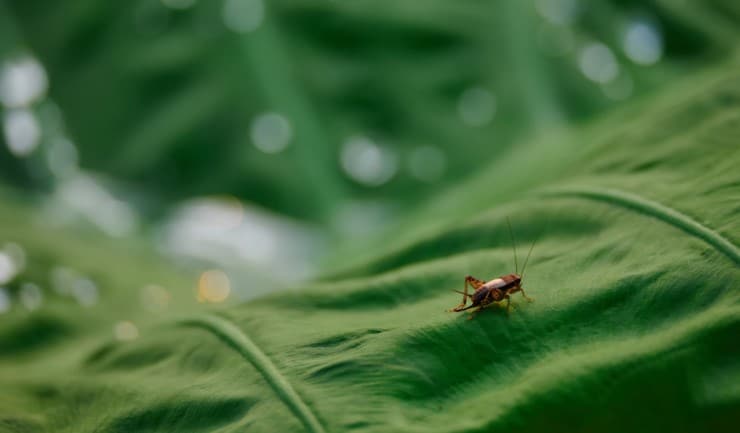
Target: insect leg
464, 298
474, 282
488, 300
462, 308
520, 289
525, 296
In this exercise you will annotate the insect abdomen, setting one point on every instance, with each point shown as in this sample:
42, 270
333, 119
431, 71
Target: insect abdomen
480, 295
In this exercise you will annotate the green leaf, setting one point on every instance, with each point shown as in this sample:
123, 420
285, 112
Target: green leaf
634, 327
163, 99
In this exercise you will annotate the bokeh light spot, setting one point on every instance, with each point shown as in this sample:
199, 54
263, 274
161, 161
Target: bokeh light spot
270, 132
643, 42
209, 214
476, 106
17, 255
85, 195
598, 63
228, 234
85, 291
8, 269
125, 331
22, 81
243, 16
22, 132
31, 296
62, 279
154, 298
62, 158
367, 162
213, 286
427, 163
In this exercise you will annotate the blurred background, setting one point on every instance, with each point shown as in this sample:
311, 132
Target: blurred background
250, 141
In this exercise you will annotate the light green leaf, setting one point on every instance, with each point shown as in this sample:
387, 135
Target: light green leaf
634, 327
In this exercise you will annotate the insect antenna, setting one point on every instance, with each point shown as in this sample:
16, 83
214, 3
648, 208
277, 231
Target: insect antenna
513, 245
528, 254
527, 259
547, 225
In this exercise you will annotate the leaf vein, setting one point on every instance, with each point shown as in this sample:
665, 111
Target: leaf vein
660, 211
239, 341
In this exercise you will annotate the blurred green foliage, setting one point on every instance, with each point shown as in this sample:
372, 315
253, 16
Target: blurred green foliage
162, 99
634, 327
605, 130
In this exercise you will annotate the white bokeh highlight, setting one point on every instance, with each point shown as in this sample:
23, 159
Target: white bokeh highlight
233, 235
367, 162
271, 132
22, 82
84, 196
598, 63
22, 132
643, 42
8, 270
243, 16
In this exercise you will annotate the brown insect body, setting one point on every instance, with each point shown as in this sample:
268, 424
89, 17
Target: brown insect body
489, 292
496, 290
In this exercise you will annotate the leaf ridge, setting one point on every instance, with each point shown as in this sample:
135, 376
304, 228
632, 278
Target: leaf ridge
239, 341
657, 210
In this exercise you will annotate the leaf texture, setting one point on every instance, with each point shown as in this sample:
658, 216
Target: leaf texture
634, 327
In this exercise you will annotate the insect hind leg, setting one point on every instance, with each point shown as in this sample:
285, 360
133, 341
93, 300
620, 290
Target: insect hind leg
475, 283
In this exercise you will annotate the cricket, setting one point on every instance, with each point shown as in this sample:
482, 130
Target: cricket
496, 290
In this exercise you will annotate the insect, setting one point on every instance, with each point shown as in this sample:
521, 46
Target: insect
495, 290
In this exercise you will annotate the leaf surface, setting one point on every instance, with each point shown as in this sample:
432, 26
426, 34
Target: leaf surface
634, 328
